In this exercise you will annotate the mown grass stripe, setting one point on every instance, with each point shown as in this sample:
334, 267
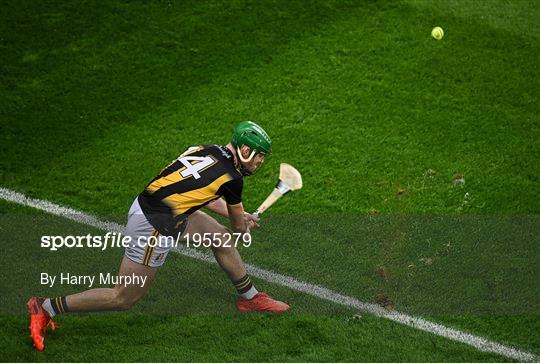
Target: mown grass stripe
419, 323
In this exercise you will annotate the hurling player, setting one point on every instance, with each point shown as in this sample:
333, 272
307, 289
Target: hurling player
208, 176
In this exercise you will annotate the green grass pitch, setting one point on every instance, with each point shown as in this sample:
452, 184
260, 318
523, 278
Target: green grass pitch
420, 159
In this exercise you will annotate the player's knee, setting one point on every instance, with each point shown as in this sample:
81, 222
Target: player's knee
221, 236
123, 302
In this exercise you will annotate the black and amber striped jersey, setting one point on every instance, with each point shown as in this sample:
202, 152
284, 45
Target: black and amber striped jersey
198, 176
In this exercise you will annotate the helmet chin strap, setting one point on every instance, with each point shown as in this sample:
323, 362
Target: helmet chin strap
245, 160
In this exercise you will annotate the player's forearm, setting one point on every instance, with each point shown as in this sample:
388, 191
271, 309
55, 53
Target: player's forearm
219, 206
237, 218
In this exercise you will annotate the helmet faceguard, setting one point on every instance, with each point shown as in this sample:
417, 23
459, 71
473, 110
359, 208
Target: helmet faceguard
248, 159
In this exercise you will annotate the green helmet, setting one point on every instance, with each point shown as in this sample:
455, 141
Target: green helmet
250, 134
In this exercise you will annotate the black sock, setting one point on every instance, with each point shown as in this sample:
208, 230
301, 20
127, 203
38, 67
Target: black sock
59, 305
245, 288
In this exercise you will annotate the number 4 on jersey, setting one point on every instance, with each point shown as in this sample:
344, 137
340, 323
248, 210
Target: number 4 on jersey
194, 165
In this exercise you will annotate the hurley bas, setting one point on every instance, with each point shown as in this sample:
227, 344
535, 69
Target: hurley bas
90, 280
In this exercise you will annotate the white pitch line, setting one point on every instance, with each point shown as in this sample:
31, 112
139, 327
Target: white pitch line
419, 323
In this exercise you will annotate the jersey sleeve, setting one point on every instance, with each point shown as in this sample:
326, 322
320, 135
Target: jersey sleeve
232, 191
